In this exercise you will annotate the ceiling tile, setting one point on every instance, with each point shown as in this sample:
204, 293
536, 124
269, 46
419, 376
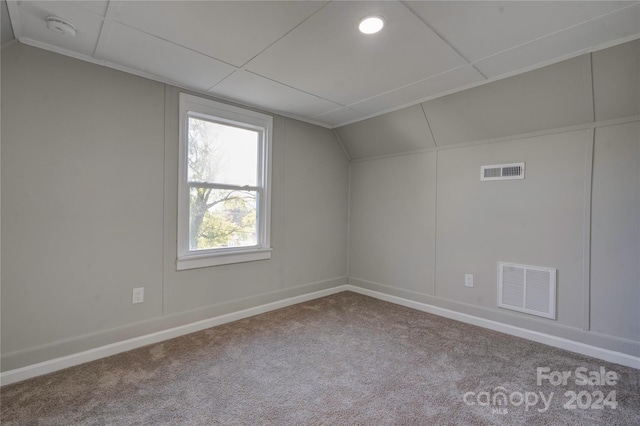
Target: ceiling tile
421, 90
33, 25
140, 51
5, 23
547, 98
99, 7
581, 38
231, 31
339, 116
616, 81
478, 29
259, 91
405, 130
329, 57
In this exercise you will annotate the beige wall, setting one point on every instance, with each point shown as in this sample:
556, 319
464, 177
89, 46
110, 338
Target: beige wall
89, 190
392, 223
536, 221
615, 232
81, 205
577, 210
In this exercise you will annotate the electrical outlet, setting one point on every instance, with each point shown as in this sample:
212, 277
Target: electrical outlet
138, 295
468, 280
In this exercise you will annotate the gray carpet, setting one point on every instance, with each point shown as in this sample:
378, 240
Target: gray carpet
343, 359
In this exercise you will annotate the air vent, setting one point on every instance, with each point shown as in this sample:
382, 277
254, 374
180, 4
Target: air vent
502, 171
528, 289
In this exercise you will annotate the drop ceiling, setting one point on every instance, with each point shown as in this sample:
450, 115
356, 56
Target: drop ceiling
307, 59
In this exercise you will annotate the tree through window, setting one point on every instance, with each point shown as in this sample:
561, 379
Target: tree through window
225, 179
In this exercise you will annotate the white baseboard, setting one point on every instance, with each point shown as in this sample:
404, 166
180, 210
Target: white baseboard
50, 366
547, 339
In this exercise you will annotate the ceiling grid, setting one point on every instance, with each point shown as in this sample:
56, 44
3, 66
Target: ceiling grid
307, 60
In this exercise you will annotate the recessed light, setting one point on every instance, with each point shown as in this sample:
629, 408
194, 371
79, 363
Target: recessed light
371, 24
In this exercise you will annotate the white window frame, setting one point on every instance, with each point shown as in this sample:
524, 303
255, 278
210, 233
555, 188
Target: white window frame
194, 106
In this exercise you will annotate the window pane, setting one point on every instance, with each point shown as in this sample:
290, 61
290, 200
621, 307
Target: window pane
222, 154
220, 218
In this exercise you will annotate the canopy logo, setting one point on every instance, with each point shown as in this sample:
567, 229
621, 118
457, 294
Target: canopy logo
500, 400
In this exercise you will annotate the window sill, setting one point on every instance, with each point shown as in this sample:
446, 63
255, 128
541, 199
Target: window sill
205, 260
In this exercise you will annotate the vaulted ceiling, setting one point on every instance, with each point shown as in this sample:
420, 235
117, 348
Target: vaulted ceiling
307, 59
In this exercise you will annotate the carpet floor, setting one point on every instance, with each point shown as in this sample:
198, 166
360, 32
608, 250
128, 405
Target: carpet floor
344, 359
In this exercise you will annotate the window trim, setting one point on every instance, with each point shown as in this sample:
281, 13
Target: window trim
194, 106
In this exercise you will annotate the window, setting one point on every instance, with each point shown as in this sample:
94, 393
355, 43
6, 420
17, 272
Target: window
223, 189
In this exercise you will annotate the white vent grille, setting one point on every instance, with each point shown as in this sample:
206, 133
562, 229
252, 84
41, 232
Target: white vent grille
528, 289
502, 171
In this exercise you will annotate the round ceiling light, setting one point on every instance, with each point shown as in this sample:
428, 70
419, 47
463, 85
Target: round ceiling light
371, 24
60, 26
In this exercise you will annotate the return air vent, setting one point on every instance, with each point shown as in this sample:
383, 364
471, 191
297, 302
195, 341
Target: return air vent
502, 171
528, 289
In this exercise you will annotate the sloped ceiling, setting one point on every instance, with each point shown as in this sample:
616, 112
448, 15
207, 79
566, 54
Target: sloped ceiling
601, 86
5, 23
306, 59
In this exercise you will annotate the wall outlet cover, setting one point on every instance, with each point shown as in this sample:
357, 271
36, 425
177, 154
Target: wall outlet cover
468, 280
138, 295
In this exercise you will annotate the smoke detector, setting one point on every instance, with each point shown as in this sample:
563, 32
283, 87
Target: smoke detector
60, 26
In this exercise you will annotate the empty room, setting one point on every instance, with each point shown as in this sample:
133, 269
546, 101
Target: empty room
320, 212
